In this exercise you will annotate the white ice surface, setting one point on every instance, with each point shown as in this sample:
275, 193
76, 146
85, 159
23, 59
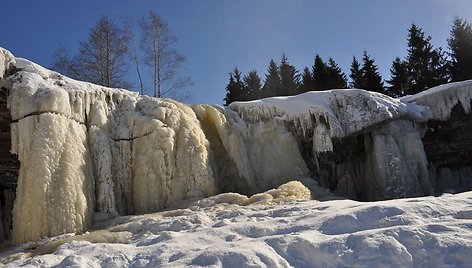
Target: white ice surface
343, 111
87, 151
84, 148
6, 61
440, 100
420, 232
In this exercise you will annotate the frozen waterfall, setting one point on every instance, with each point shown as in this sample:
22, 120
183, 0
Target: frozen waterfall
87, 152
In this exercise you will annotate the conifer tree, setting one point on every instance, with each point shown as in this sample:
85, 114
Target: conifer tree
320, 74
307, 81
272, 81
399, 79
235, 88
252, 85
460, 46
441, 67
289, 78
336, 77
357, 78
426, 66
372, 78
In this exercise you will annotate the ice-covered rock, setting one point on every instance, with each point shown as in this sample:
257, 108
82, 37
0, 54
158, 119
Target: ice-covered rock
440, 101
89, 152
84, 149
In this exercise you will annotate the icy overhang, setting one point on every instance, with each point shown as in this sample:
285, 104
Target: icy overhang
439, 101
342, 111
348, 111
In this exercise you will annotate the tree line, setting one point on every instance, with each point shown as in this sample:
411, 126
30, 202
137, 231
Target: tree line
106, 56
423, 67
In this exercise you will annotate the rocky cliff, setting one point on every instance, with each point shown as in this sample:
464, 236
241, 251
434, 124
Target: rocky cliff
74, 153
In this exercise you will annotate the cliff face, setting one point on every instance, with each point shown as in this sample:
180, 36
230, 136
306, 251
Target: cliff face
89, 152
9, 167
448, 147
9, 164
386, 161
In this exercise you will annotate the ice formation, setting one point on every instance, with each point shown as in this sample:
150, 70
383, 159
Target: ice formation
89, 152
86, 149
290, 191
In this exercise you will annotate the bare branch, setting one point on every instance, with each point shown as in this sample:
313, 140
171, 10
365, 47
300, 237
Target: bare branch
101, 59
157, 44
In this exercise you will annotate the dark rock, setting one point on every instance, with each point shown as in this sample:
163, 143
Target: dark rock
9, 167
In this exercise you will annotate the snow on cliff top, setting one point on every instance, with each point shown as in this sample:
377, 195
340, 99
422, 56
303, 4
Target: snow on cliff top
441, 99
344, 111
420, 232
37, 89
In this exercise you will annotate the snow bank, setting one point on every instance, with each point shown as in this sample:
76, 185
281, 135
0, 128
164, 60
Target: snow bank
421, 232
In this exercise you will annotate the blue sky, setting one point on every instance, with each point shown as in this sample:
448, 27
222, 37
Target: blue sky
218, 35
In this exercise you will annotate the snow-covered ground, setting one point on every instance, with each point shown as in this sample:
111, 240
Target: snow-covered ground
419, 232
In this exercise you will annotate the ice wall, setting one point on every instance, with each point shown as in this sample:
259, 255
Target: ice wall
445, 126
89, 152
9, 165
262, 155
389, 159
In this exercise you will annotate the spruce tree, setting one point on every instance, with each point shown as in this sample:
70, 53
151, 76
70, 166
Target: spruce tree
235, 89
399, 79
460, 46
272, 81
229, 90
357, 78
372, 78
419, 49
336, 77
252, 85
307, 81
289, 78
426, 66
440, 67
320, 74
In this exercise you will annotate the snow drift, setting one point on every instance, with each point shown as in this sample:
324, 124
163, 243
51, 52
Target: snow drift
419, 232
89, 153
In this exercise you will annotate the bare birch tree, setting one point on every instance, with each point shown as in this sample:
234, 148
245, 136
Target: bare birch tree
157, 44
101, 59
